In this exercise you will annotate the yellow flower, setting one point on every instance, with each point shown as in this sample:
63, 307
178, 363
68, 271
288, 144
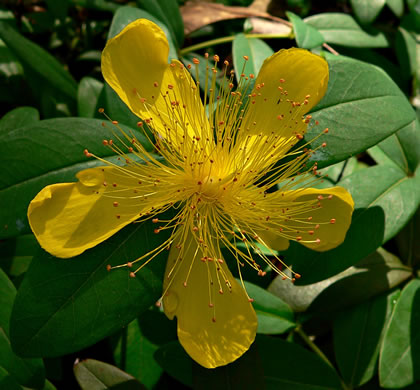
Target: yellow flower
217, 171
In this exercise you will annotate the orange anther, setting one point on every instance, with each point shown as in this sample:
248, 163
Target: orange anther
115, 204
132, 275
101, 110
196, 61
108, 267
155, 220
246, 58
216, 58
155, 84
332, 220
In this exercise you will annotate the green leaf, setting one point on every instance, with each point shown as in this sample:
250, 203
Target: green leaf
115, 108
288, 366
27, 372
95, 375
401, 148
134, 354
342, 29
256, 50
406, 50
385, 199
274, 315
7, 382
396, 6
377, 273
54, 155
367, 10
176, 362
19, 117
356, 93
63, 306
126, 15
358, 333
11, 77
400, 353
242, 374
35, 58
408, 243
16, 254
87, 96
220, 82
167, 11
306, 36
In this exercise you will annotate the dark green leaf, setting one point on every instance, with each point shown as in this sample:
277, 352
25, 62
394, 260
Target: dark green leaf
167, 11
367, 10
101, 5
16, 254
257, 51
379, 272
126, 15
385, 199
65, 305
399, 363
175, 361
35, 58
95, 375
406, 50
358, 333
288, 366
245, 373
274, 315
19, 117
87, 96
134, 354
408, 242
306, 36
356, 93
342, 29
27, 372
11, 77
7, 382
27, 170
115, 108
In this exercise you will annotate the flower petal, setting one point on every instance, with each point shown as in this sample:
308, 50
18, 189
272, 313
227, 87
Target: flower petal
134, 64
289, 84
69, 218
212, 336
317, 218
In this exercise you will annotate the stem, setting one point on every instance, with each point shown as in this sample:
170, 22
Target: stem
315, 348
218, 41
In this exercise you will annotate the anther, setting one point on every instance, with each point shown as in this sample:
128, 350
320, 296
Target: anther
115, 204
105, 142
86, 153
129, 264
324, 144
118, 216
332, 220
155, 220
170, 86
326, 130
246, 58
108, 267
196, 61
184, 284
132, 275
156, 84
216, 58
101, 110
156, 231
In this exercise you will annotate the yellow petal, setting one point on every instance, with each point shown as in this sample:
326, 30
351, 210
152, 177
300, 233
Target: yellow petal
289, 84
272, 240
134, 64
323, 224
210, 343
69, 218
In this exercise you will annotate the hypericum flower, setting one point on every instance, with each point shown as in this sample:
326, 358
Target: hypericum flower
224, 173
